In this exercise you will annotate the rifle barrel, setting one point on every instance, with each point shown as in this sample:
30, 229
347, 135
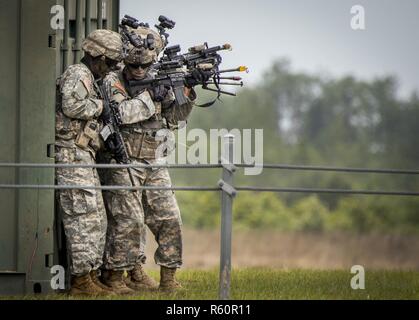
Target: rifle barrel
239, 69
228, 83
231, 78
220, 91
142, 82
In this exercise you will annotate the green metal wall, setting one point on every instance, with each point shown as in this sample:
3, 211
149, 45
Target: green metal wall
8, 131
32, 57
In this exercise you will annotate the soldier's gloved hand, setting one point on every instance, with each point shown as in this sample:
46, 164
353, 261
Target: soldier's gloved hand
106, 116
158, 93
200, 76
120, 155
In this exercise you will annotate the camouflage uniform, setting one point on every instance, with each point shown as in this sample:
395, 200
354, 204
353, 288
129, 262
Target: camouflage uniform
77, 140
142, 118
124, 207
125, 221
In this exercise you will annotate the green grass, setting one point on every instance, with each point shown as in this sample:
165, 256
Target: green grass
259, 283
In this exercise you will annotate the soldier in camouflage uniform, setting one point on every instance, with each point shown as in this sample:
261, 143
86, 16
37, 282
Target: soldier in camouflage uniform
143, 117
125, 227
77, 140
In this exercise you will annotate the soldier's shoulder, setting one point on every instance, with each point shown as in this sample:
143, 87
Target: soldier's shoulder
77, 71
77, 78
112, 77
79, 68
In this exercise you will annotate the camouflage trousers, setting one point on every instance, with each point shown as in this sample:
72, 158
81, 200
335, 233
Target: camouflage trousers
125, 221
162, 216
82, 211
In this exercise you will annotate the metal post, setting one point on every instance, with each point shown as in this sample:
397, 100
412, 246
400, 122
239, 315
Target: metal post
87, 17
99, 14
79, 28
66, 36
227, 195
115, 15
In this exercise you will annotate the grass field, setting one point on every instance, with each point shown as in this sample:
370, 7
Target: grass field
279, 250
261, 283
274, 265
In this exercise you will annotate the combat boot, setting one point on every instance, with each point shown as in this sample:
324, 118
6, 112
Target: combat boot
84, 286
115, 280
139, 280
168, 282
96, 281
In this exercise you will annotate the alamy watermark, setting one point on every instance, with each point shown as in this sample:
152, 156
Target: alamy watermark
58, 279
198, 146
358, 280
358, 18
57, 19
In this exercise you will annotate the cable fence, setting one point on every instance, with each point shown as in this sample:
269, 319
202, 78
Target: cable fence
225, 185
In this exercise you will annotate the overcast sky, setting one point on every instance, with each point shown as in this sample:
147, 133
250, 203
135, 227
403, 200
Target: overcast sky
315, 35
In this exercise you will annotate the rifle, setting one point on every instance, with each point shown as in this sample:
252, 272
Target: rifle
197, 67
110, 133
169, 75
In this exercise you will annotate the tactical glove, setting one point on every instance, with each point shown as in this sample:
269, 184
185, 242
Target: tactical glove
197, 77
158, 93
106, 116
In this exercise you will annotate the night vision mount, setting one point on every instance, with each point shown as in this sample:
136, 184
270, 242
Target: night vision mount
131, 37
165, 23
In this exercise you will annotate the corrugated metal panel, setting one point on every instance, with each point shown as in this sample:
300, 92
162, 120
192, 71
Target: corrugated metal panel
34, 56
102, 15
36, 131
9, 100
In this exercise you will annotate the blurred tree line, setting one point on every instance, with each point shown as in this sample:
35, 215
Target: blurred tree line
311, 120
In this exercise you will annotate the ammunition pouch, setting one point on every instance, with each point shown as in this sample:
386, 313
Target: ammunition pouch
89, 136
140, 142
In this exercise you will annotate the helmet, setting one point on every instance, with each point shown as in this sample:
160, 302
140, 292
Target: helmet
141, 56
104, 42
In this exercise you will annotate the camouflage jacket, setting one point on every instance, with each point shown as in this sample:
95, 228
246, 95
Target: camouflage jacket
142, 117
77, 110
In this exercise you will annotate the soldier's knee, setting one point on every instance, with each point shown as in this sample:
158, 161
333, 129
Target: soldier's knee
172, 225
125, 204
